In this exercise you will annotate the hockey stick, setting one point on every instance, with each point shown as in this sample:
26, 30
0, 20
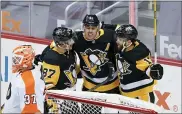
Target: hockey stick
110, 76
1, 109
155, 31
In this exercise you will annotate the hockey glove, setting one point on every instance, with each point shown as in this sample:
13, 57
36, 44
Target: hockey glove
108, 26
156, 71
37, 59
111, 70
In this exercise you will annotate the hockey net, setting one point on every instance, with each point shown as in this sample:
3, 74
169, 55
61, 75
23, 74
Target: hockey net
73, 102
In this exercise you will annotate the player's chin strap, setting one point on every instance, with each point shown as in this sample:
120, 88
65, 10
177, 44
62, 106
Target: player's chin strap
67, 49
125, 46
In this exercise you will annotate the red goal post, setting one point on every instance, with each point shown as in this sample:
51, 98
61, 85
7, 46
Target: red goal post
91, 102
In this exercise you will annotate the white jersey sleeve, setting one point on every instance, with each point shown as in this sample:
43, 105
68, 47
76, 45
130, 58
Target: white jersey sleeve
27, 93
12, 98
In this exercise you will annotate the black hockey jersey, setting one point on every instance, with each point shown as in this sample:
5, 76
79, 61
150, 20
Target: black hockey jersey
59, 69
133, 64
93, 58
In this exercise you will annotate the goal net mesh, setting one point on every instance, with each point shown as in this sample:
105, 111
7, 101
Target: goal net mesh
73, 102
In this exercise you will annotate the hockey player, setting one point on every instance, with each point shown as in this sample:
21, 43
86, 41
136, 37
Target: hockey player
138, 75
59, 63
95, 48
26, 89
156, 70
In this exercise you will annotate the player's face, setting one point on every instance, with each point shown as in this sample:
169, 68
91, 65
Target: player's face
67, 45
91, 32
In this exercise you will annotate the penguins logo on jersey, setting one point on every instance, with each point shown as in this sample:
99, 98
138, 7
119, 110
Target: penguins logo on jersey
94, 59
123, 65
71, 75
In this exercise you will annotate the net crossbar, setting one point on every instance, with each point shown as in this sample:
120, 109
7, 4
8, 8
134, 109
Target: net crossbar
97, 103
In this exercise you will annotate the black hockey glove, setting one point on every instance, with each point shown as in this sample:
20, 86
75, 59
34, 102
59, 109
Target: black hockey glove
111, 70
37, 59
108, 26
156, 71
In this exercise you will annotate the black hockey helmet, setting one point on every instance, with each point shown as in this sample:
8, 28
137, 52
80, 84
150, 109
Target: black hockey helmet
127, 31
62, 34
91, 20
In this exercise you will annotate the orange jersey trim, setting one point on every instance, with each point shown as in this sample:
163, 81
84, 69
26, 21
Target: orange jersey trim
29, 82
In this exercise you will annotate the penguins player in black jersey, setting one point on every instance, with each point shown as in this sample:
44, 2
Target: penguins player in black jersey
59, 60
59, 64
95, 48
138, 75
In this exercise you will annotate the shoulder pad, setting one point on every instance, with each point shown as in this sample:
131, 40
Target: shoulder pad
141, 51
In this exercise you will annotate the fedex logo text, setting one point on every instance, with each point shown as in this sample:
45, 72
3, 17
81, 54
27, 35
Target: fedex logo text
7, 20
172, 50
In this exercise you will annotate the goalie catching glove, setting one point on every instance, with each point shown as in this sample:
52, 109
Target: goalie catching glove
156, 71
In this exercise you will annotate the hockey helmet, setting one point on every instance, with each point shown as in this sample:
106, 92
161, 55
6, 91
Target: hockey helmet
91, 20
63, 34
127, 31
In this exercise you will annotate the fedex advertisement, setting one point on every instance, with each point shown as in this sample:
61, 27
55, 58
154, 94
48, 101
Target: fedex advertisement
167, 91
168, 48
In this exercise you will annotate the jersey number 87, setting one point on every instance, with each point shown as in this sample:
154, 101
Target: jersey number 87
48, 72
